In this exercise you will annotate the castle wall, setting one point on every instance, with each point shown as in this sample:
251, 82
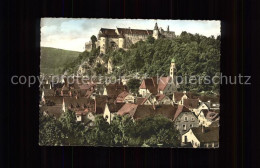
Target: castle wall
132, 39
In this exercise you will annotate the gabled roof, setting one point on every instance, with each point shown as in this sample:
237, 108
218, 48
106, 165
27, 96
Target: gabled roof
177, 96
140, 100
124, 31
114, 107
80, 103
121, 96
180, 109
127, 108
150, 84
55, 99
211, 134
55, 111
143, 111
48, 92
167, 111
209, 98
191, 103
210, 115
163, 82
113, 90
100, 103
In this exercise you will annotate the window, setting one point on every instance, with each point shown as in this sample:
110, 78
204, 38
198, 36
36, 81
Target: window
191, 126
184, 127
186, 118
192, 118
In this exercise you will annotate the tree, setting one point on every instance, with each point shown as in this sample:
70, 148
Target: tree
133, 85
50, 131
150, 39
99, 134
158, 130
93, 40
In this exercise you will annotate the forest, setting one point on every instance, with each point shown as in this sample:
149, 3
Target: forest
194, 55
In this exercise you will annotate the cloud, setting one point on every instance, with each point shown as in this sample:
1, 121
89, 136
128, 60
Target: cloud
71, 34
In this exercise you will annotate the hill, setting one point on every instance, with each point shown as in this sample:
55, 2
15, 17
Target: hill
53, 59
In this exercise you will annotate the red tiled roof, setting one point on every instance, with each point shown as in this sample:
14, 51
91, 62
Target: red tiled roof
113, 90
178, 96
121, 96
163, 82
124, 31
140, 100
127, 109
55, 99
143, 111
100, 104
211, 134
114, 107
191, 103
150, 84
180, 109
209, 98
55, 110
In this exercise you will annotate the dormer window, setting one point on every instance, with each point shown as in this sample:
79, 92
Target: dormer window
185, 118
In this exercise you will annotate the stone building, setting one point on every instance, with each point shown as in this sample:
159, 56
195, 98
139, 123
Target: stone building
125, 37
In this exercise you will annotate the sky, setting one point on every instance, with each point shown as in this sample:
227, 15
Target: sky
72, 34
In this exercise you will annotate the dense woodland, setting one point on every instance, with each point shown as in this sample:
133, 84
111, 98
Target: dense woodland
122, 131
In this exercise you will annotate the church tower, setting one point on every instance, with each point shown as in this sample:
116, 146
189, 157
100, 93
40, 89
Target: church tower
156, 31
172, 69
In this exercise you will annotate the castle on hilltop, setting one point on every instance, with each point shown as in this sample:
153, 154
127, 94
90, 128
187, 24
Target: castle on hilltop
125, 37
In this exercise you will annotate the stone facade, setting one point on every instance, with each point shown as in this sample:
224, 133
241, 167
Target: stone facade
185, 121
125, 37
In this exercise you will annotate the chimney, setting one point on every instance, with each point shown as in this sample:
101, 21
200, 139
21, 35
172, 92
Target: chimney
202, 129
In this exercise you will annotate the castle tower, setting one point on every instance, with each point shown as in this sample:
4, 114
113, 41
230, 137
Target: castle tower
121, 43
168, 28
103, 43
156, 31
172, 69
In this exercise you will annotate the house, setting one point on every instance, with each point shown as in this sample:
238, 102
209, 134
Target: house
184, 119
101, 103
148, 86
139, 100
113, 90
79, 104
125, 97
127, 109
178, 97
202, 137
191, 103
166, 85
47, 93
85, 117
211, 101
154, 85
54, 111
206, 117
110, 110
52, 100
202, 106
163, 99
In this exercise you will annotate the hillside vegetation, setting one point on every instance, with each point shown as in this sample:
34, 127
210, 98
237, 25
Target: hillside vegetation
53, 59
194, 55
